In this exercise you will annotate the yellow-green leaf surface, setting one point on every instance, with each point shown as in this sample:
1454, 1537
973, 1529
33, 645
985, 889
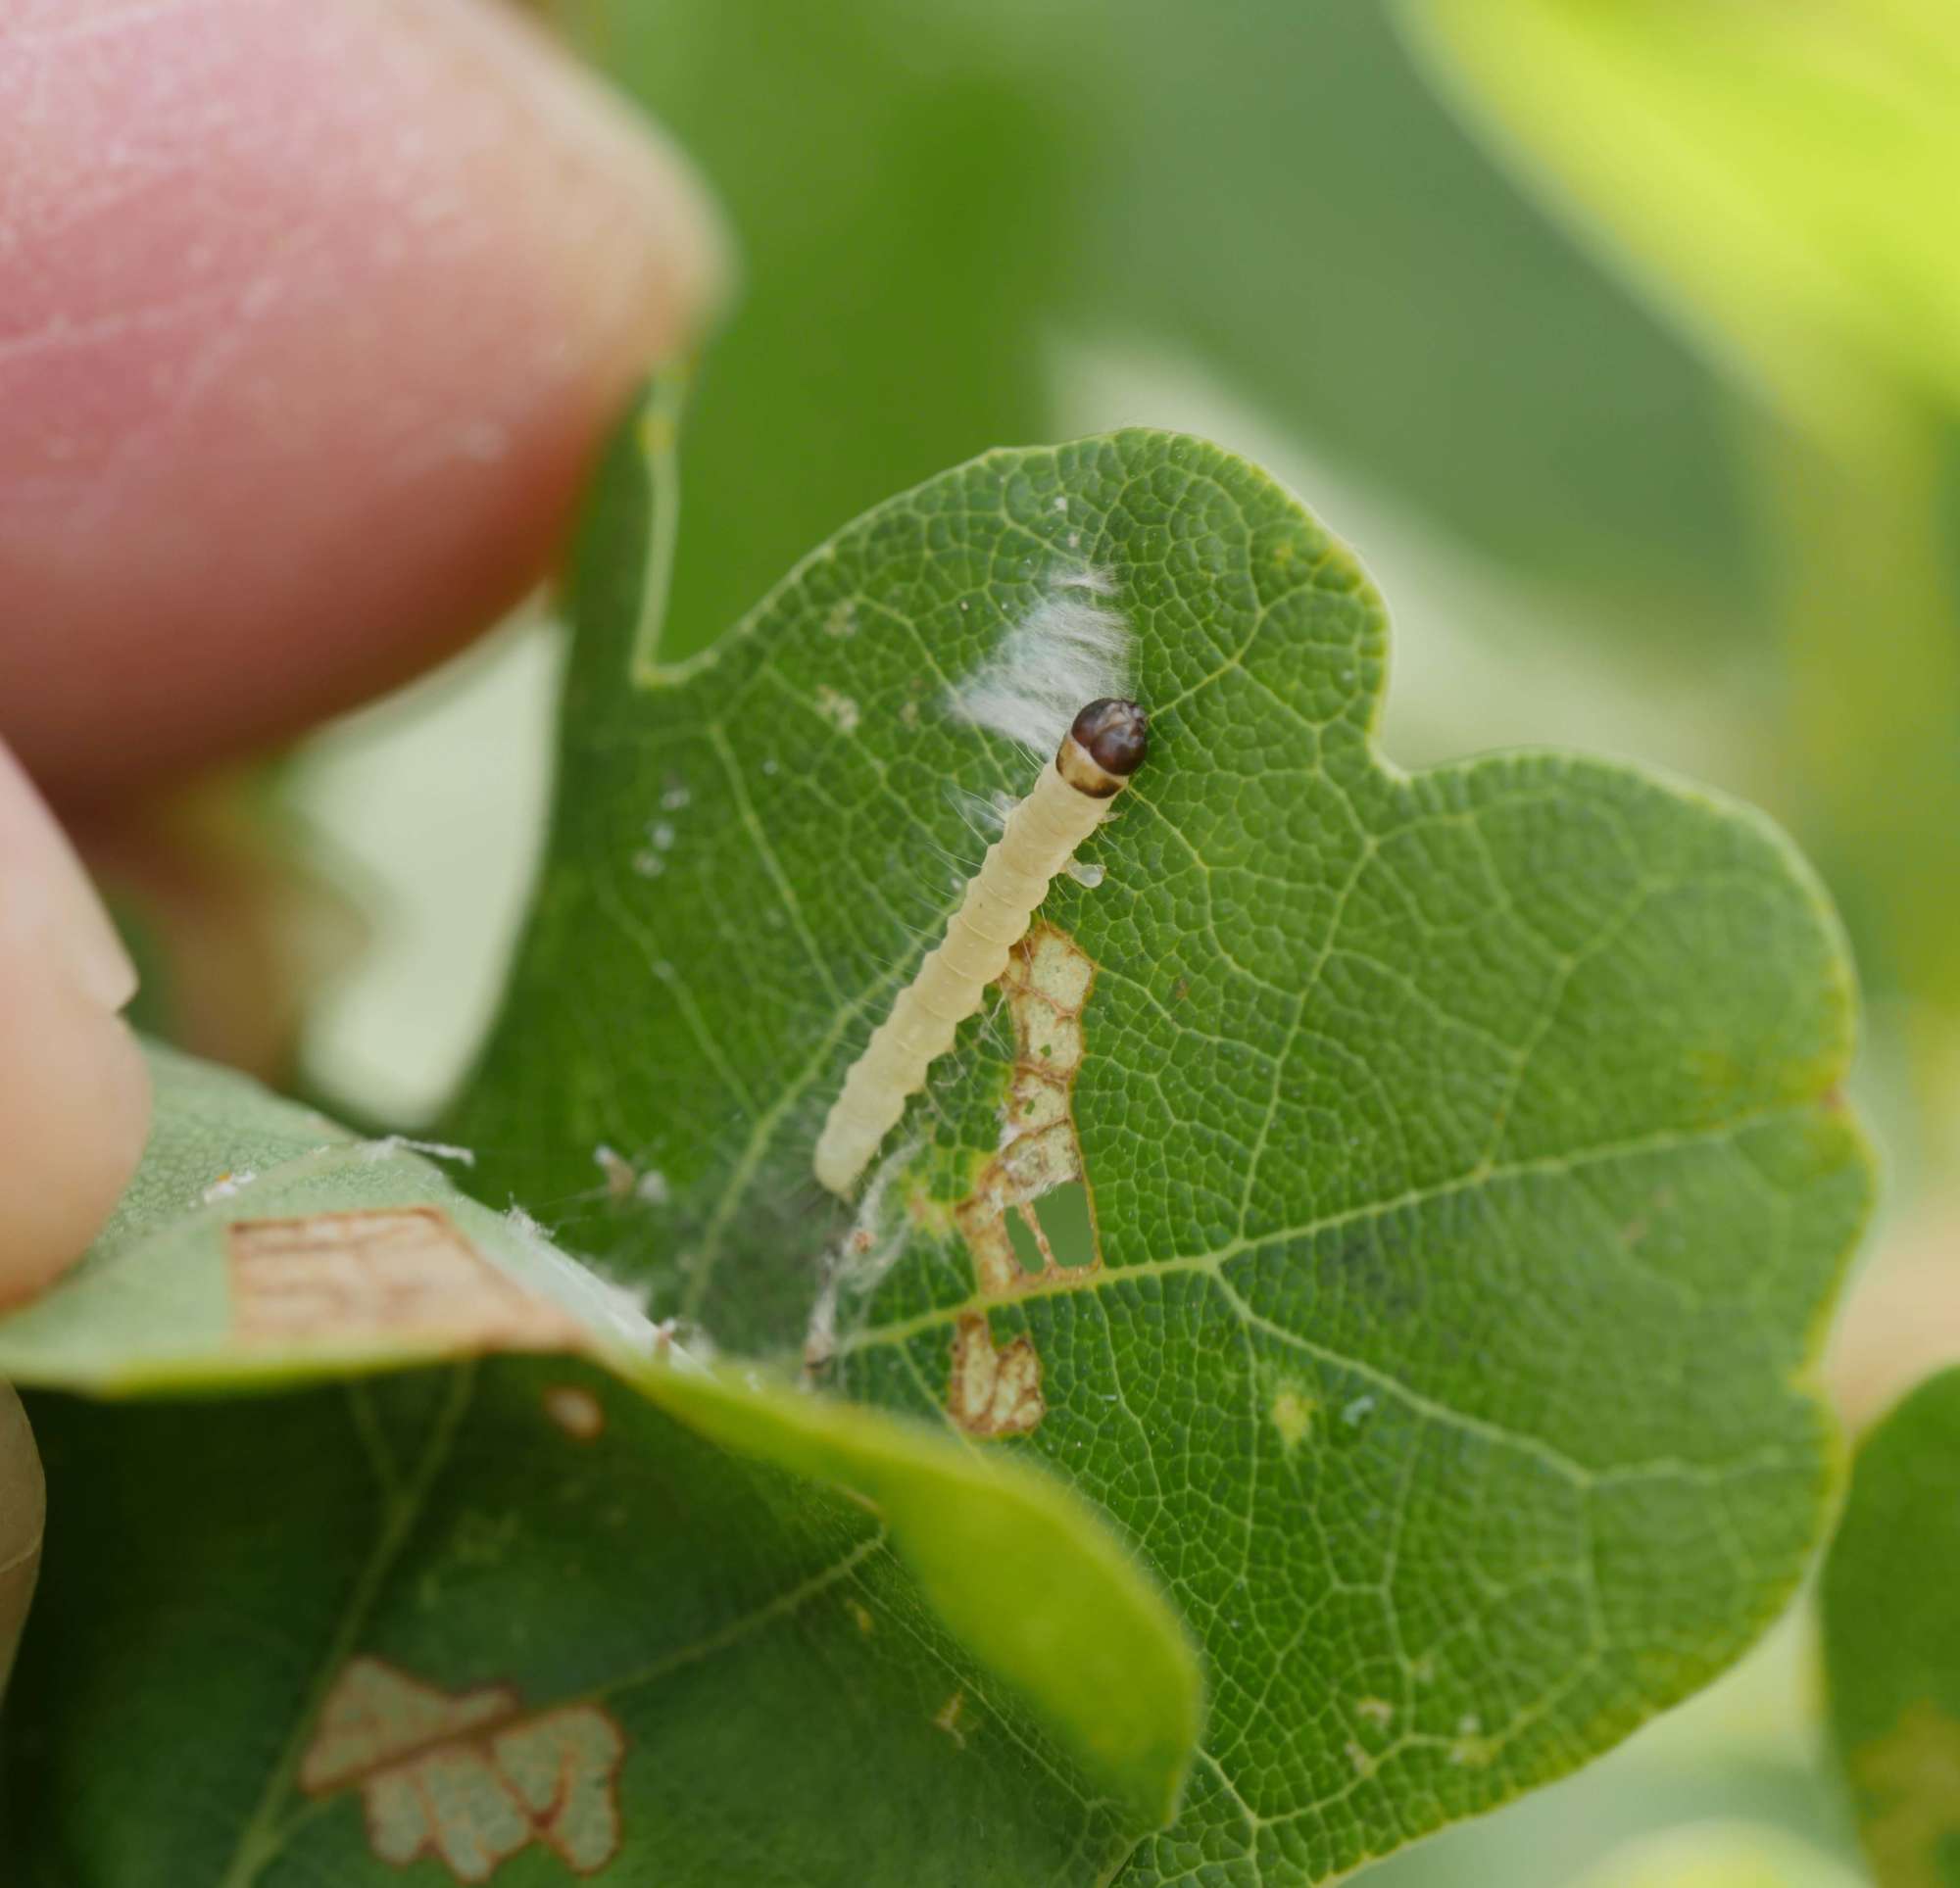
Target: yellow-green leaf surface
1891, 1639
1466, 1181
1720, 1855
764, 1617
1781, 179
1786, 174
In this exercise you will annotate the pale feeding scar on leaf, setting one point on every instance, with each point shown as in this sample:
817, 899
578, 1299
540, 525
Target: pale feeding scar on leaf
1059, 645
466, 1777
1047, 984
393, 1273
993, 1390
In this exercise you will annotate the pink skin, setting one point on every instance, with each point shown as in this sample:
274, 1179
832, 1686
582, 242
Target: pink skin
312, 315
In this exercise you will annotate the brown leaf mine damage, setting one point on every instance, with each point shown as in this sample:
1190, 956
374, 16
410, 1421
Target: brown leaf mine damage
396, 1273
463, 1777
1047, 984
993, 1391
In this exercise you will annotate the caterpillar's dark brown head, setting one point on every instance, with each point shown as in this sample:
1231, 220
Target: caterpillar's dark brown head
1114, 735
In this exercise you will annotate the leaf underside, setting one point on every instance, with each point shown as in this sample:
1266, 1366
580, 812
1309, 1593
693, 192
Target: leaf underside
715, 1612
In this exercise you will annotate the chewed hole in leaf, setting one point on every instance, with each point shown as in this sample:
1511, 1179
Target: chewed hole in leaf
1054, 1231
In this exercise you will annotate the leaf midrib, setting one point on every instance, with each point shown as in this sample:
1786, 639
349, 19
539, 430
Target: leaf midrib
1212, 1265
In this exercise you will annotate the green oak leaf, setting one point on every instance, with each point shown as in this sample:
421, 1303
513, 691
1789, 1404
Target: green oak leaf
1465, 1168
789, 1639
1891, 1639
1773, 177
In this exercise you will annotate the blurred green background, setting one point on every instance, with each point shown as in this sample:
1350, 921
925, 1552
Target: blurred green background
1622, 340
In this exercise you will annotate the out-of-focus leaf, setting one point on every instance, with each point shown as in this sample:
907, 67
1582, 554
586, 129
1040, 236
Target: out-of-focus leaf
927, 197
1720, 1855
1784, 175
1891, 1639
904, 196
1289, 199
1781, 179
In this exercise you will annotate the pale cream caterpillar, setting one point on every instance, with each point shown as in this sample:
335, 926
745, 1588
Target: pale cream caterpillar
1105, 746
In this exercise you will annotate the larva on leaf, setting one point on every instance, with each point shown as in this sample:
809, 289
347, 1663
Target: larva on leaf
1103, 747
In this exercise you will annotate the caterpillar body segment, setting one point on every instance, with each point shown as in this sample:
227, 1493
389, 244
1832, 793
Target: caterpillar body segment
1102, 748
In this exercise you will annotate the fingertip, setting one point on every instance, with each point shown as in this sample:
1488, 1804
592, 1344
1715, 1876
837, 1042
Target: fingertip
304, 399
75, 1113
74, 1090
